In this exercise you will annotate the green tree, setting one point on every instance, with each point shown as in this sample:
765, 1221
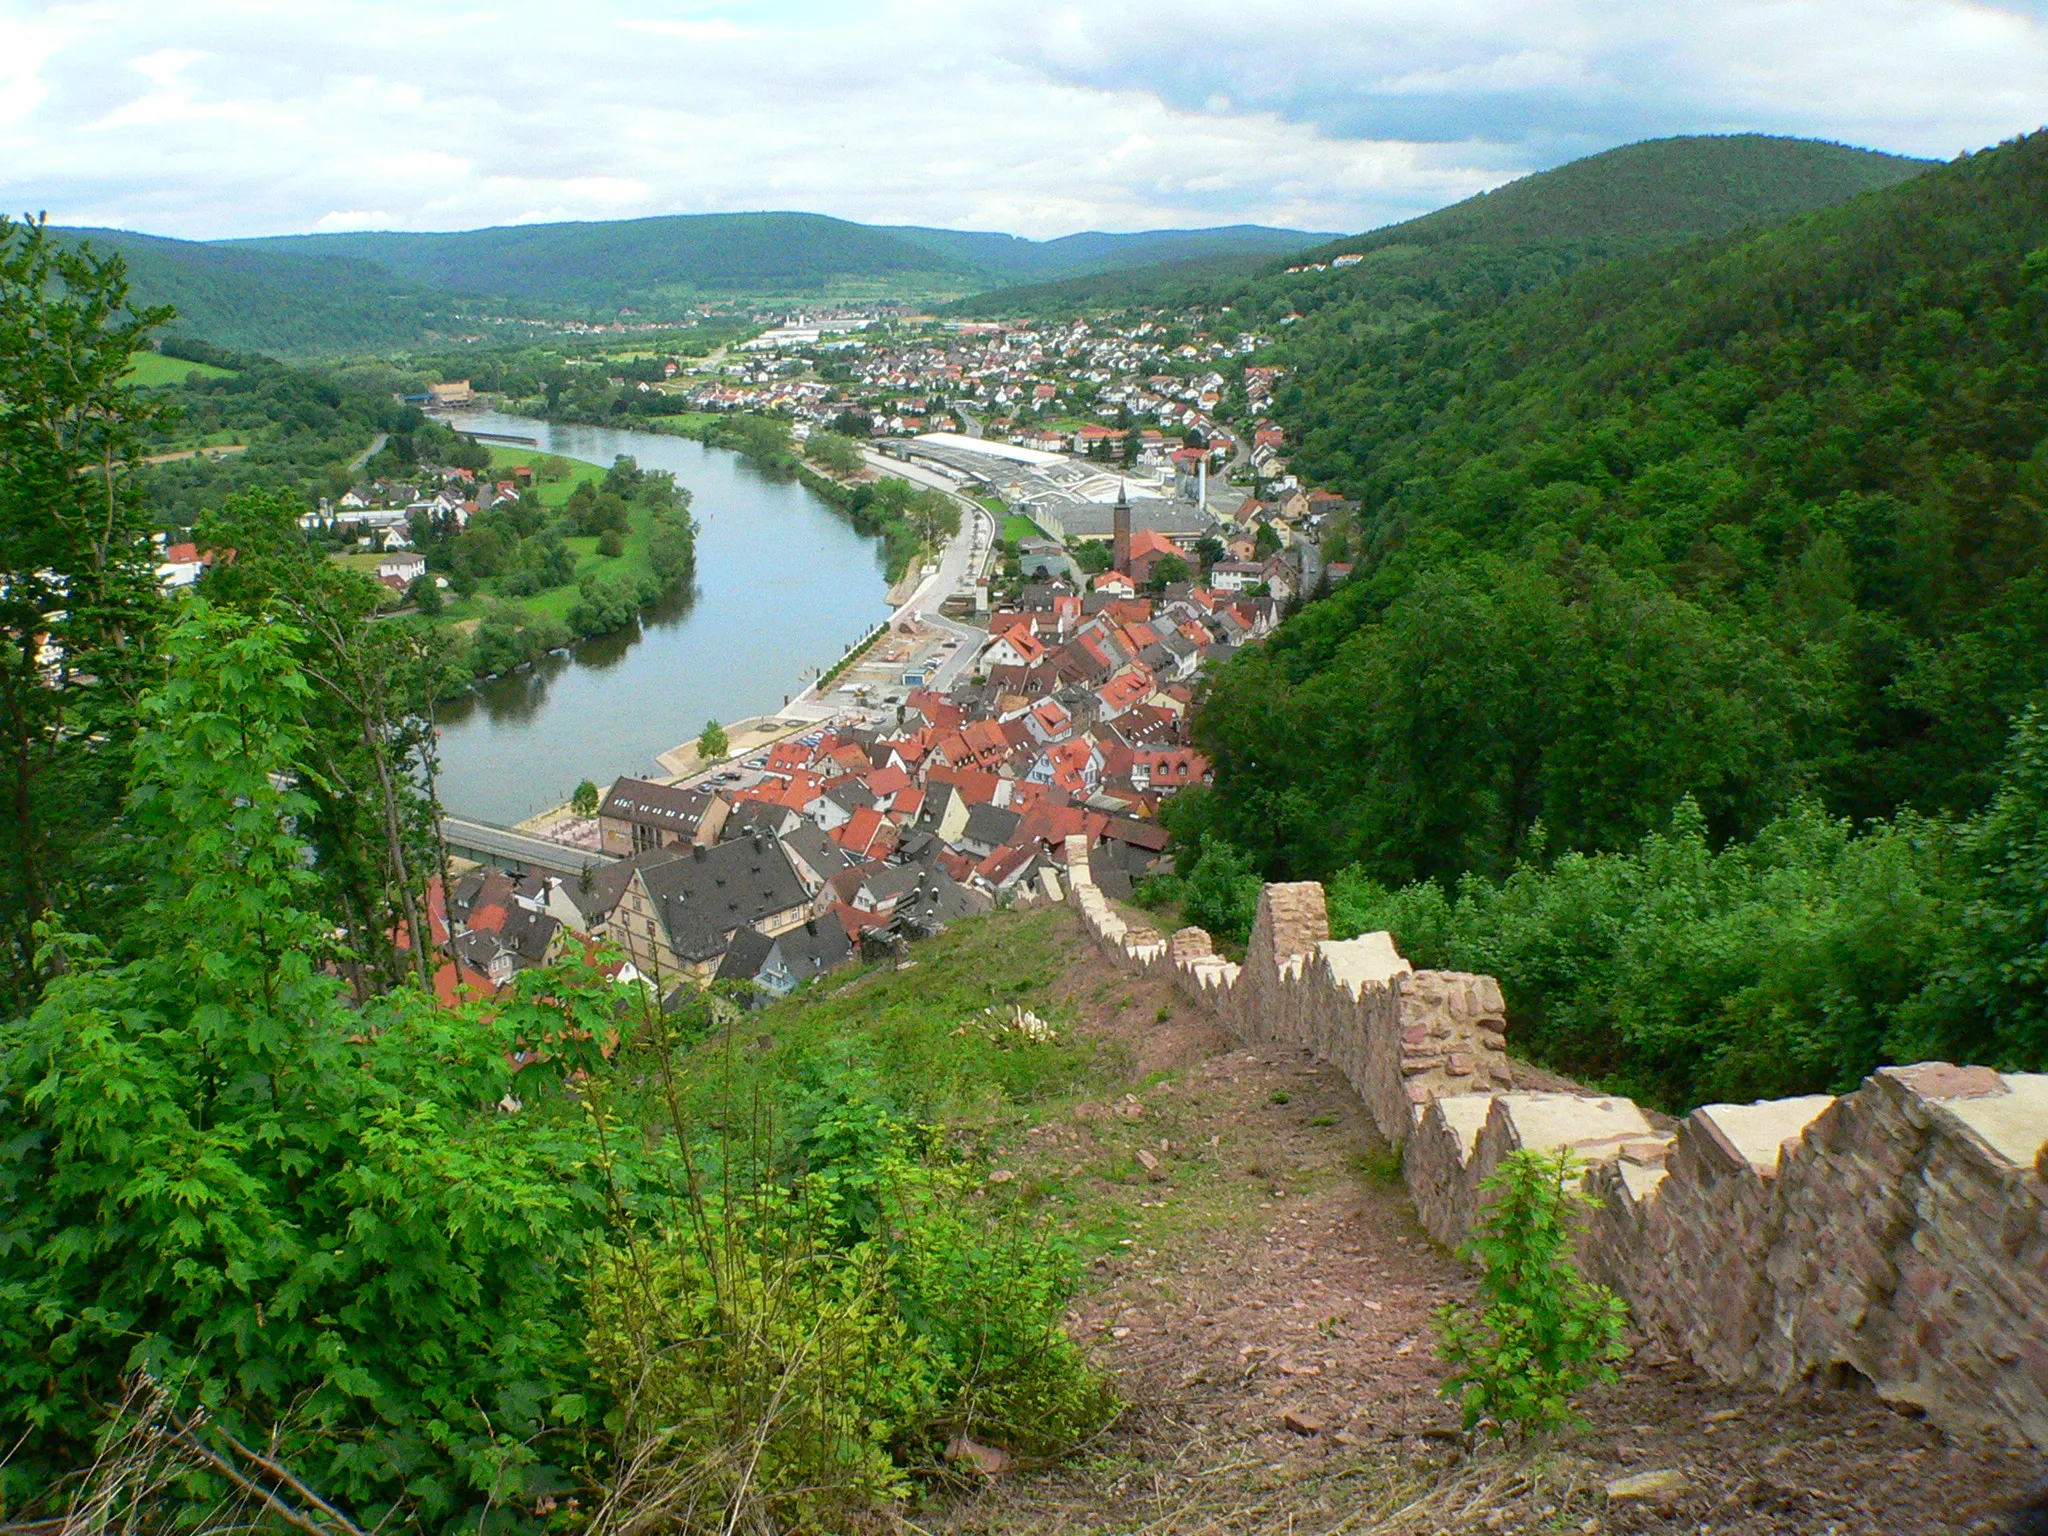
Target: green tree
831, 451
79, 604
712, 746
372, 759
585, 801
306, 1219
1167, 570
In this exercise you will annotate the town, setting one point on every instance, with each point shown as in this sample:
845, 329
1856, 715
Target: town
897, 813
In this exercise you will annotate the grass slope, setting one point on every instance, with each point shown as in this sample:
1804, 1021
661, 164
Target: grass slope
1267, 1264
152, 370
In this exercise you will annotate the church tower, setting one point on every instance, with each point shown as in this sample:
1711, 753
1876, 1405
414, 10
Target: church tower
1120, 530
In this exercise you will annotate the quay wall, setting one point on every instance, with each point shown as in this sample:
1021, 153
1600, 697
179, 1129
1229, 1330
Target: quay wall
1899, 1231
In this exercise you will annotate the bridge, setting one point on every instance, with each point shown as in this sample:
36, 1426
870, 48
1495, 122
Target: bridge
518, 853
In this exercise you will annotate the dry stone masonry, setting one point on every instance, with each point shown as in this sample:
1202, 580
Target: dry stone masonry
1900, 1231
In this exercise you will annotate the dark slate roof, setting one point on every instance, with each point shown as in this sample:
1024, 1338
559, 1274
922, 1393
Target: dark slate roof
936, 900
747, 957
990, 824
704, 897
807, 840
608, 883
656, 805
817, 947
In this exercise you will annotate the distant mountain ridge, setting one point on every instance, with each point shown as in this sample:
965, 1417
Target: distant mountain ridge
721, 253
307, 295
1651, 195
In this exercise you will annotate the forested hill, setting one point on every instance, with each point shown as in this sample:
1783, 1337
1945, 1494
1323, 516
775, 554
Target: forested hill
247, 299
355, 294
1640, 197
643, 262
1756, 519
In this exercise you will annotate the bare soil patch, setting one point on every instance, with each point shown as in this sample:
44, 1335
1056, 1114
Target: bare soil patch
1264, 1297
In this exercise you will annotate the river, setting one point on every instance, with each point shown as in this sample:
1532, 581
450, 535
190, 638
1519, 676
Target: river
784, 585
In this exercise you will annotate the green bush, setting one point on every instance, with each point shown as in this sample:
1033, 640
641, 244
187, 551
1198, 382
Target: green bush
815, 1333
1221, 892
985, 1293
761, 1378
306, 1216
1540, 1331
1793, 962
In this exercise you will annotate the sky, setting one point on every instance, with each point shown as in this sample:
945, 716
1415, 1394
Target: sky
211, 118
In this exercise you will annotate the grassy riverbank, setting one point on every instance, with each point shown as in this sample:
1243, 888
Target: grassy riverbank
581, 553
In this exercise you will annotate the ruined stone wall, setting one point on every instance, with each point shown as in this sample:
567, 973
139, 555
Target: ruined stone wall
1900, 1231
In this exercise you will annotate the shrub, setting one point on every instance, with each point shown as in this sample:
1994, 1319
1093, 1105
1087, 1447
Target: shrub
611, 544
1221, 892
984, 1294
761, 1377
1540, 1331
835, 1306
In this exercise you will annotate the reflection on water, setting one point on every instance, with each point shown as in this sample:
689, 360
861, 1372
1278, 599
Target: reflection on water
783, 586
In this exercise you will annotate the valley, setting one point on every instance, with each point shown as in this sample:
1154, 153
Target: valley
750, 871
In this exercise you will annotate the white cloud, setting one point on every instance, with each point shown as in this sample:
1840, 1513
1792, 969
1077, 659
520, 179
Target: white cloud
213, 117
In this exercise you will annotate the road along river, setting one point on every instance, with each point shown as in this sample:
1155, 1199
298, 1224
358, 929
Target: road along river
784, 584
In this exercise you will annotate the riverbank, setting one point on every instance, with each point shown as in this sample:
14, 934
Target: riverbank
781, 581
765, 442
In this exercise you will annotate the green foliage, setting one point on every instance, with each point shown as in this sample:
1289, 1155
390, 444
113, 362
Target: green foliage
586, 800
77, 582
1167, 570
301, 428
286, 304
1092, 555
604, 604
1540, 1332
298, 1215
834, 453
1775, 449
984, 1293
758, 1372
1991, 1005
1221, 891
611, 544
1792, 962
711, 744
835, 1293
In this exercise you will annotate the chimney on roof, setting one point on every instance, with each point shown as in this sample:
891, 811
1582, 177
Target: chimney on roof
697, 851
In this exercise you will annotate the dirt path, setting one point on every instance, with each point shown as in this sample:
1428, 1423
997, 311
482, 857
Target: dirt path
1265, 1301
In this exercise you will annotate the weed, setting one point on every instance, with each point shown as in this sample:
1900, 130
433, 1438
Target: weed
1540, 1330
1165, 1012
1278, 1096
1322, 1120
1381, 1164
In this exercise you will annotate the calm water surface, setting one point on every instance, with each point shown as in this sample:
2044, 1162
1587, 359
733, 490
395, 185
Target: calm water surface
783, 586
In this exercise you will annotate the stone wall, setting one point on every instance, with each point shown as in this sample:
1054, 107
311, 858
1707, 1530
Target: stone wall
1900, 1231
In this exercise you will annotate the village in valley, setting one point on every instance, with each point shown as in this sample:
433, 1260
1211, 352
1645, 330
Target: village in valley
1149, 522
820, 841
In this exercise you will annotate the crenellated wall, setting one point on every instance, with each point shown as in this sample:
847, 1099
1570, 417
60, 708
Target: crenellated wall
1900, 1230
